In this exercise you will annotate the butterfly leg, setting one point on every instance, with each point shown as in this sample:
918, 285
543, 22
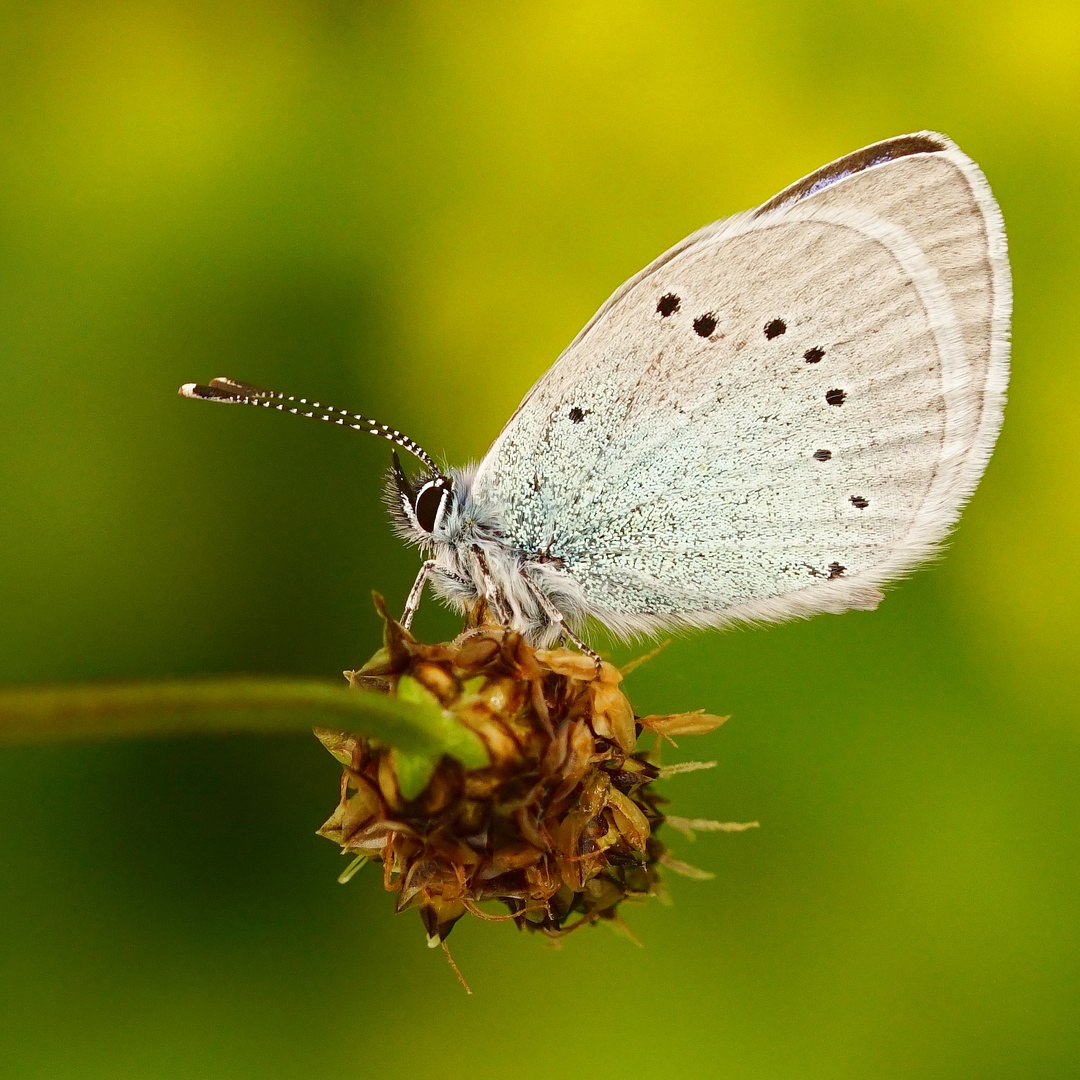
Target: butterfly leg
489, 591
559, 619
415, 593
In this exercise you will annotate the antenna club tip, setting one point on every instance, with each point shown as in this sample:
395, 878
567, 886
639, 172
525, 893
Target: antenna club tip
208, 393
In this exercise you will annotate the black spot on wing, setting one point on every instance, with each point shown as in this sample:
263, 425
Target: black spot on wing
836, 570
705, 324
774, 328
667, 305
859, 502
576, 415
813, 356
835, 397
822, 455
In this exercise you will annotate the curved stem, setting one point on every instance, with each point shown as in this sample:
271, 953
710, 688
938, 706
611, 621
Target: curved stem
227, 705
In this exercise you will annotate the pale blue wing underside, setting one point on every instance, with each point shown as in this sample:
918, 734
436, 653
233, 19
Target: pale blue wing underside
780, 414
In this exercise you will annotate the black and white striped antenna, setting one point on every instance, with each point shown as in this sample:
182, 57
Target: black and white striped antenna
232, 392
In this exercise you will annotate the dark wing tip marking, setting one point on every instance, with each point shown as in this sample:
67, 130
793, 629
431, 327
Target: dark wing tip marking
861, 160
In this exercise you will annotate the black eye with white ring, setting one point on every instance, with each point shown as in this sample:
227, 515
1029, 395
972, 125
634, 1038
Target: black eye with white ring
430, 504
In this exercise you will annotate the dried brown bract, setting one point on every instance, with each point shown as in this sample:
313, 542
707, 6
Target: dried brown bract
560, 827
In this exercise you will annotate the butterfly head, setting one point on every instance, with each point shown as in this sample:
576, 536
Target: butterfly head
419, 507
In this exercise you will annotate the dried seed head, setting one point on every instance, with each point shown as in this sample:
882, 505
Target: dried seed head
560, 827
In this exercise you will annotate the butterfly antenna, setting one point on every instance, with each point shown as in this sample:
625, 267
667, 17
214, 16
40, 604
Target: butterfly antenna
232, 392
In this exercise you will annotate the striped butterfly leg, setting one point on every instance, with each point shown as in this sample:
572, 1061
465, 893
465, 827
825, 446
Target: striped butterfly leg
559, 619
415, 593
412, 603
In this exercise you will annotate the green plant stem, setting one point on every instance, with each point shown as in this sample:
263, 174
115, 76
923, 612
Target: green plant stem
223, 706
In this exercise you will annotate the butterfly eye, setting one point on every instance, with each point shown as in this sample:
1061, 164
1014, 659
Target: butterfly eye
429, 505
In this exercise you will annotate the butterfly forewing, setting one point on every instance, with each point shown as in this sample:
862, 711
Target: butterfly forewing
778, 415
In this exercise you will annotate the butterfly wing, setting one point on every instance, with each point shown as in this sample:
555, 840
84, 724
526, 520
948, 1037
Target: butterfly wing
780, 414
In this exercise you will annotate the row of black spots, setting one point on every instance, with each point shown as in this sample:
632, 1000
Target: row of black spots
705, 325
858, 501
669, 303
834, 397
814, 355
835, 570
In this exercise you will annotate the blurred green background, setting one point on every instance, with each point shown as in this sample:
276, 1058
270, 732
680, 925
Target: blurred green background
410, 208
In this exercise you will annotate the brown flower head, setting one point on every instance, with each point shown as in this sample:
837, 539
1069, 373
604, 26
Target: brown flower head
560, 826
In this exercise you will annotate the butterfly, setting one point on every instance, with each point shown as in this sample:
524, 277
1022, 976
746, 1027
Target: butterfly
775, 418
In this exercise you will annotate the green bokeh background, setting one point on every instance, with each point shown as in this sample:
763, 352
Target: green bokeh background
410, 208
